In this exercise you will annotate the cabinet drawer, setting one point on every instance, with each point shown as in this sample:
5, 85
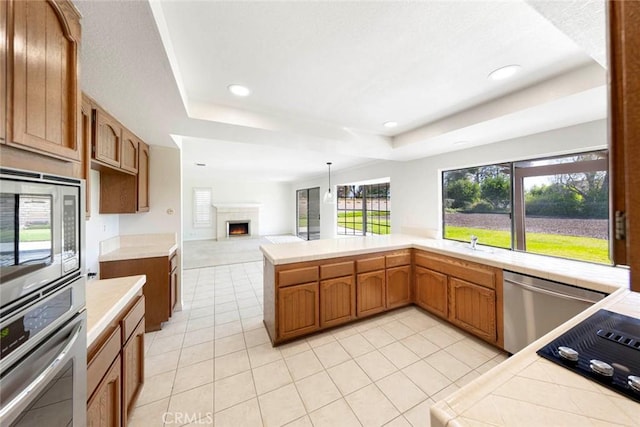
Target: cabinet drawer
297, 276
475, 273
173, 262
100, 363
132, 319
370, 264
330, 271
398, 259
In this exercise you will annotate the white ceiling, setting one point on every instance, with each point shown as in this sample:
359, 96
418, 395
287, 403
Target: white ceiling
326, 75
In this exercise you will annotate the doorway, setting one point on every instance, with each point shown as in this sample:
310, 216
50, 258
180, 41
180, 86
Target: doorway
308, 213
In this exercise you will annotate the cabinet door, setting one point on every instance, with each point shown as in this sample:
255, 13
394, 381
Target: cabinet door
173, 290
337, 301
129, 155
431, 291
473, 308
143, 177
45, 106
398, 286
103, 410
371, 293
108, 139
3, 70
132, 369
298, 310
86, 117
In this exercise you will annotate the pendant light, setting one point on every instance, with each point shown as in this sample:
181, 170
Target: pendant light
328, 195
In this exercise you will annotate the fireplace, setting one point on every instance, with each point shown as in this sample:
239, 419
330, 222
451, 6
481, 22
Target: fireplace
238, 228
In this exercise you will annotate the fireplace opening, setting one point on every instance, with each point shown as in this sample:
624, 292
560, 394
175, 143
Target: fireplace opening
237, 228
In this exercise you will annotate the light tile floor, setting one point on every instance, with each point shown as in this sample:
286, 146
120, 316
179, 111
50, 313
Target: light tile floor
212, 363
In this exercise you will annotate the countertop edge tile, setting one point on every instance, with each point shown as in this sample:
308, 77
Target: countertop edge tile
106, 298
139, 252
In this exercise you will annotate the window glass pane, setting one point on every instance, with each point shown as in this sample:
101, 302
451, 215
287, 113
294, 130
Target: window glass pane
477, 201
566, 213
363, 208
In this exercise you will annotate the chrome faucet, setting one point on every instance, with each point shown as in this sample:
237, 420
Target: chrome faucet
474, 241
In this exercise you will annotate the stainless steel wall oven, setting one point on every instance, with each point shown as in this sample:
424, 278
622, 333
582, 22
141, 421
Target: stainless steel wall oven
42, 300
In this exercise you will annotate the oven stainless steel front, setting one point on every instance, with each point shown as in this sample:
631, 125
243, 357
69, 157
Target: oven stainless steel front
43, 321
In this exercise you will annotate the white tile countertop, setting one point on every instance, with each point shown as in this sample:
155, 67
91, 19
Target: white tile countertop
591, 276
134, 246
527, 390
106, 298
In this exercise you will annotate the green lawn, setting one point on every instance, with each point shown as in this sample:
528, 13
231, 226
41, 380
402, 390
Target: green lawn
33, 235
354, 222
580, 248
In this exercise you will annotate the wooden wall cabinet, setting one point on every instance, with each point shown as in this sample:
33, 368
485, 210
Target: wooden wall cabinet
107, 139
161, 284
129, 152
40, 121
44, 100
143, 178
115, 367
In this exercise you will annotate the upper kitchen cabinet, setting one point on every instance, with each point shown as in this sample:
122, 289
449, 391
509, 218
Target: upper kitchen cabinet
143, 177
129, 157
624, 79
107, 139
43, 103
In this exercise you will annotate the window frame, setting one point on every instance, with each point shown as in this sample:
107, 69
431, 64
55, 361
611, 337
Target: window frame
199, 206
364, 210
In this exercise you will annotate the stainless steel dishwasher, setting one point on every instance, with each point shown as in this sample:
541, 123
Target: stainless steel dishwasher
534, 306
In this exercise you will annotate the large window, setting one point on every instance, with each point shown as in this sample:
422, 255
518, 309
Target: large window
554, 206
364, 209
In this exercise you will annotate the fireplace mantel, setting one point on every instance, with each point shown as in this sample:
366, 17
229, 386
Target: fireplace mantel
236, 212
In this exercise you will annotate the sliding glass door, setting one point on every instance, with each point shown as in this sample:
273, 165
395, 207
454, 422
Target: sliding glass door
308, 213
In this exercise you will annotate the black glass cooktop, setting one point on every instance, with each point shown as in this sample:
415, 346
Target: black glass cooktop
607, 337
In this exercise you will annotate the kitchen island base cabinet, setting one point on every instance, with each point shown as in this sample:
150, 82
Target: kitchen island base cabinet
298, 310
337, 301
371, 293
473, 308
398, 286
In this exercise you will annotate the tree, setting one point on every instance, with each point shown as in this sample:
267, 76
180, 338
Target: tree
554, 200
462, 193
496, 190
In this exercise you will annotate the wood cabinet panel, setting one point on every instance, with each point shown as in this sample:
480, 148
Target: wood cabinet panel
431, 291
3, 71
337, 301
117, 192
156, 291
340, 269
45, 97
298, 310
107, 140
132, 319
296, 276
86, 117
132, 369
370, 264
99, 363
371, 293
473, 307
143, 177
105, 406
398, 259
129, 155
476, 273
398, 286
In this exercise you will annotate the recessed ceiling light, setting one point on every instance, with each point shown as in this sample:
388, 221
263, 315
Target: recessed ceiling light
201, 164
390, 125
239, 90
504, 72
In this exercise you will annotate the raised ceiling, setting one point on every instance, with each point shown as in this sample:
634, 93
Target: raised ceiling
325, 76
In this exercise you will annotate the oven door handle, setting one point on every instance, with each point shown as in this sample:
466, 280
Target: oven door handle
44, 377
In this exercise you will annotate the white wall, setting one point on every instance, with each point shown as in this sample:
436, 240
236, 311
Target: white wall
98, 227
276, 213
415, 185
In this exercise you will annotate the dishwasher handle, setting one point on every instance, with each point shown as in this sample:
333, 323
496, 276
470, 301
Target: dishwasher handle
548, 292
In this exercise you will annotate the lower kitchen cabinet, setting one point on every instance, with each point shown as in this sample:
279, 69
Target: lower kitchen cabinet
431, 291
398, 286
298, 307
337, 301
371, 293
473, 308
115, 367
160, 289
104, 407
